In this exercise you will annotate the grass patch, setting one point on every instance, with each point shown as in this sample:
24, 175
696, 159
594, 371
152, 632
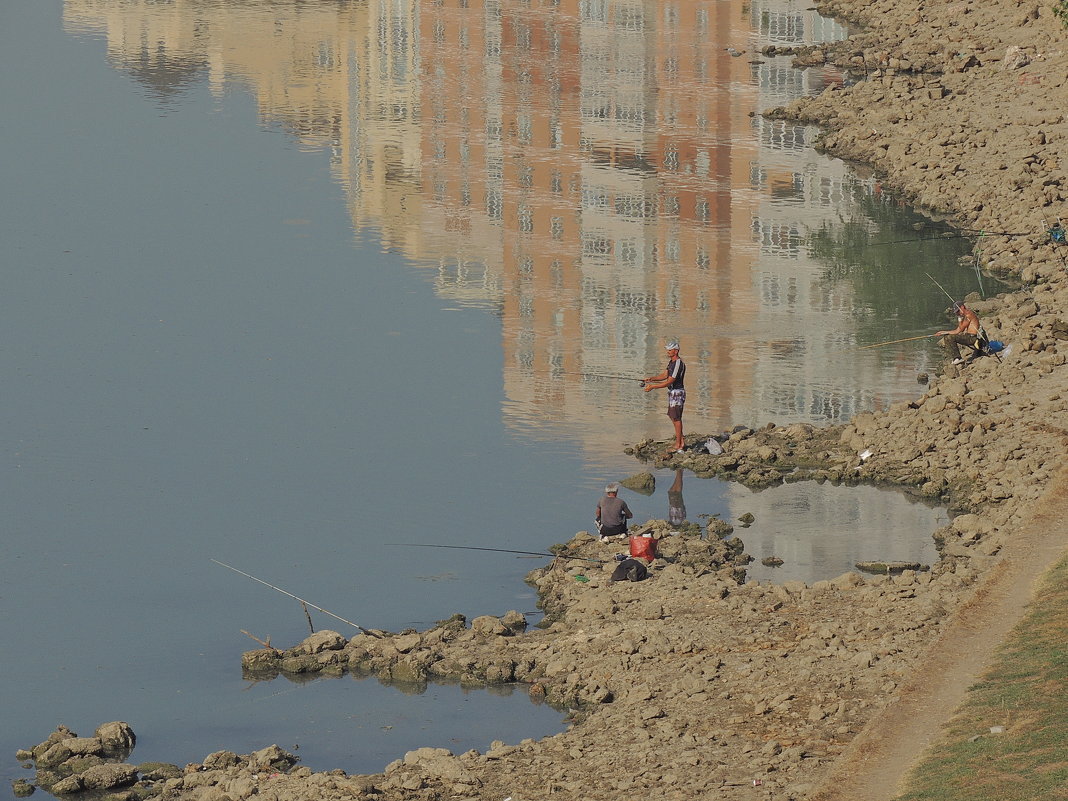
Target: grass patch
1026, 691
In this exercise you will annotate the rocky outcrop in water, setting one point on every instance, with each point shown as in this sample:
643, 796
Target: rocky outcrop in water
95, 767
66, 763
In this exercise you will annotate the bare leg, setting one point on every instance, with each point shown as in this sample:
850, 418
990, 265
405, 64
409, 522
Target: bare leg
678, 434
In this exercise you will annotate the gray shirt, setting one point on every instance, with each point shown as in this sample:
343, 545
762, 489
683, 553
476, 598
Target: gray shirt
613, 511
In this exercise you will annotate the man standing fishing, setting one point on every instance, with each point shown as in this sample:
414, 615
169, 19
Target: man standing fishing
969, 332
672, 378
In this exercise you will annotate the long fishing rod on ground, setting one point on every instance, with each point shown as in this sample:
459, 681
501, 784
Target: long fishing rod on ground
499, 550
291, 595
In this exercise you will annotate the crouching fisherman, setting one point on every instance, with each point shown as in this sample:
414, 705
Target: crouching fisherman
612, 514
969, 332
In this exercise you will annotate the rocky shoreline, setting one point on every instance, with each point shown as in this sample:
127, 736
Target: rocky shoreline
691, 684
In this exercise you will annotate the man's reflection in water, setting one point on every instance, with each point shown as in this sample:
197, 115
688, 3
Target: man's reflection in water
676, 506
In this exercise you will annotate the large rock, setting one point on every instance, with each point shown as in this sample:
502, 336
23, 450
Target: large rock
645, 483
272, 757
437, 763
514, 621
67, 786
84, 746
219, 760
56, 755
116, 736
262, 660
324, 640
488, 626
971, 527
406, 642
106, 777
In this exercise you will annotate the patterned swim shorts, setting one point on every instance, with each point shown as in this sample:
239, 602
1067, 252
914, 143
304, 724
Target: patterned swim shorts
676, 397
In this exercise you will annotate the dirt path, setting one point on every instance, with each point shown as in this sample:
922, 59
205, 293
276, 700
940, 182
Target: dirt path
881, 755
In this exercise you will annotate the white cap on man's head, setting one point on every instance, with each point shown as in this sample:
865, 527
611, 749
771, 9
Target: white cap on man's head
672, 345
613, 487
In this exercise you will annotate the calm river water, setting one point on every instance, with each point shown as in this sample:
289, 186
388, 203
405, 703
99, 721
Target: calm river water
290, 284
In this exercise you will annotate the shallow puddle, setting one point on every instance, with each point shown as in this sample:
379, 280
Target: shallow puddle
819, 531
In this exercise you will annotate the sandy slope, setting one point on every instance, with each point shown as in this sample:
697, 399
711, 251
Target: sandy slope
880, 756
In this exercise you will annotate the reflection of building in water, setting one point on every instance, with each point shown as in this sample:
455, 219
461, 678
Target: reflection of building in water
586, 168
605, 161
164, 52
808, 318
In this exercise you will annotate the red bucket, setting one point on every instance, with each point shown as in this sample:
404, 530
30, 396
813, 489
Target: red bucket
643, 548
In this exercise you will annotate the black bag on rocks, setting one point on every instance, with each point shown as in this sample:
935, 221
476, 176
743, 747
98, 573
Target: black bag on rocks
630, 570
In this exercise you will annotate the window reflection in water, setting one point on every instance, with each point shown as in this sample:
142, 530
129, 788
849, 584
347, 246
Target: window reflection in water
595, 172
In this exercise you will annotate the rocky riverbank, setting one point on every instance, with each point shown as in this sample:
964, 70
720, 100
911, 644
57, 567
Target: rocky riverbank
690, 684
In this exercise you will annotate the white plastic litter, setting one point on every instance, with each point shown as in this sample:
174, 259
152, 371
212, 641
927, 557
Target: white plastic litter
865, 455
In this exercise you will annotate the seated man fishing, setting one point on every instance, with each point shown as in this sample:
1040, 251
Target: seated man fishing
612, 514
969, 332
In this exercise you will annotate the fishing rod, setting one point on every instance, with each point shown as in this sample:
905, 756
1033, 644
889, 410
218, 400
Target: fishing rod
951, 300
499, 550
922, 239
981, 232
604, 375
895, 341
975, 232
291, 595
880, 344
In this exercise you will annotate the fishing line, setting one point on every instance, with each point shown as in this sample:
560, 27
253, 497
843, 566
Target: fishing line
951, 300
497, 550
291, 595
925, 239
880, 344
976, 233
602, 375
895, 341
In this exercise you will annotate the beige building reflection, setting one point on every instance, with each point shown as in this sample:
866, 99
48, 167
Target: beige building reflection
587, 169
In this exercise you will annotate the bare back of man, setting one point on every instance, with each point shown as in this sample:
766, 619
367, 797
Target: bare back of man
968, 333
